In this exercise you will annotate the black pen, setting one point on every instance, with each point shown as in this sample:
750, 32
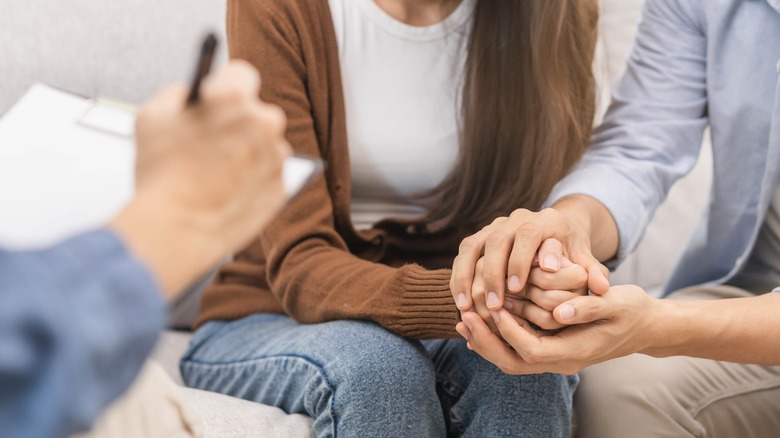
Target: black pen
203, 68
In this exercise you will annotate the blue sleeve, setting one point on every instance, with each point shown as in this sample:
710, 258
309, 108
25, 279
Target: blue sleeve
76, 324
653, 131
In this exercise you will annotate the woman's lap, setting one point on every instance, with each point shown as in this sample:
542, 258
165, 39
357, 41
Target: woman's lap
353, 377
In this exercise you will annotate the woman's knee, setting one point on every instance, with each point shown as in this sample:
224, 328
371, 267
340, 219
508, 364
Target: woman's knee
368, 355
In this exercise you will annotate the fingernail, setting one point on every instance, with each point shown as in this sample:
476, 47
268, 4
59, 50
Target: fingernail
461, 300
496, 316
567, 312
509, 305
551, 262
468, 325
492, 300
514, 283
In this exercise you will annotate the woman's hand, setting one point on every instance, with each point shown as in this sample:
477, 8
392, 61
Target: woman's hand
544, 292
605, 327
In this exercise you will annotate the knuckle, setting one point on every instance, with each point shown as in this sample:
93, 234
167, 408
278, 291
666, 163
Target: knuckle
477, 291
497, 239
581, 278
519, 213
498, 221
527, 229
468, 244
543, 280
546, 302
549, 213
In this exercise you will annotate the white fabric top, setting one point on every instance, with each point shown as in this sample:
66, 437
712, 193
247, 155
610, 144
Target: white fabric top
402, 88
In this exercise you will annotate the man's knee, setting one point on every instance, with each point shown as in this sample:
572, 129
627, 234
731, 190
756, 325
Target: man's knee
637, 394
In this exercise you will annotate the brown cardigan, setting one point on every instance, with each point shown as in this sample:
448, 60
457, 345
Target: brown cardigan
311, 263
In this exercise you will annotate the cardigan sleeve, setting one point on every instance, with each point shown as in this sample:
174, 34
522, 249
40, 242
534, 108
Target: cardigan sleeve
307, 263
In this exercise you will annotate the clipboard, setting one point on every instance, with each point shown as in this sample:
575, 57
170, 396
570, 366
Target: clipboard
67, 165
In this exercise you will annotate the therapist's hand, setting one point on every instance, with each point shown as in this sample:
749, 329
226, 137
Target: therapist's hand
208, 177
605, 327
510, 245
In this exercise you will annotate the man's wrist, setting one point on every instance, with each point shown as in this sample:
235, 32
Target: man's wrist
593, 218
668, 331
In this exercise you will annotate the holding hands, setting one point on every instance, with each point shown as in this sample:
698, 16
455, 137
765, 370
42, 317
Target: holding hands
599, 328
510, 245
522, 286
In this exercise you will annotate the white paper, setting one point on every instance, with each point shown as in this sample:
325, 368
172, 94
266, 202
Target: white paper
59, 177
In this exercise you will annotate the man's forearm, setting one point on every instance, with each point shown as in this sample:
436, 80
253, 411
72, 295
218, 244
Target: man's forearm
743, 330
593, 217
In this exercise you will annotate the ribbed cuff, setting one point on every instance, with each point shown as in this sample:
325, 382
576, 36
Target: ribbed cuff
427, 309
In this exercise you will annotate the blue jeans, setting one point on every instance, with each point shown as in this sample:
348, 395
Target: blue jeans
357, 379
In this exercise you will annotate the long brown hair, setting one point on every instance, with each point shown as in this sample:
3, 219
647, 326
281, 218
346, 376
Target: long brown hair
527, 108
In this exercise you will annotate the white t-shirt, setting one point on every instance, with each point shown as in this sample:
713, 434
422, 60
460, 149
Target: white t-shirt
402, 87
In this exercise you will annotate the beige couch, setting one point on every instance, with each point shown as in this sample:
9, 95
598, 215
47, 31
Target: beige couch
126, 49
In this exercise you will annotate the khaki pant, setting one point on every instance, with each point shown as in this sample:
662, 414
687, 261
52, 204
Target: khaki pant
640, 396
151, 408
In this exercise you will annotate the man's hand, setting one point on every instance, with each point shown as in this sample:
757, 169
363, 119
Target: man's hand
510, 244
616, 324
208, 178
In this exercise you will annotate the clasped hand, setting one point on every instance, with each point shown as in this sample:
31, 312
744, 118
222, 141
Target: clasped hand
530, 317
545, 290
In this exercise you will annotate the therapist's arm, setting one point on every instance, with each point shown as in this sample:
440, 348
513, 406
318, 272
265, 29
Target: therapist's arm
76, 323
78, 320
208, 179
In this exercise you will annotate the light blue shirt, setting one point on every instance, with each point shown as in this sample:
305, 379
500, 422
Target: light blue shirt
695, 63
76, 323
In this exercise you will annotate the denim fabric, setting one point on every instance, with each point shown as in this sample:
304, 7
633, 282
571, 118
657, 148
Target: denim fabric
77, 321
357, 379
695, 64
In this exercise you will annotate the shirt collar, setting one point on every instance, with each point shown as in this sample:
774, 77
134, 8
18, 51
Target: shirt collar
775, 4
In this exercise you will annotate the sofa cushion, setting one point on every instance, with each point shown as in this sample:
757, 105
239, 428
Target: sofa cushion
222, 416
